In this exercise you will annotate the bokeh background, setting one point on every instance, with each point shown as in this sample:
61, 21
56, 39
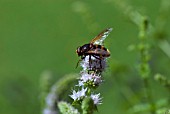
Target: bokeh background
42, 35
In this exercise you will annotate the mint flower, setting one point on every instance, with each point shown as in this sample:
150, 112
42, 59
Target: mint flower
96, 99
79, 94
93, 79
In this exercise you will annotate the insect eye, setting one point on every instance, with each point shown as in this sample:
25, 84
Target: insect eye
79, 49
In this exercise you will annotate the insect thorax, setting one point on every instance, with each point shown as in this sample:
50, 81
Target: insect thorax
86, 47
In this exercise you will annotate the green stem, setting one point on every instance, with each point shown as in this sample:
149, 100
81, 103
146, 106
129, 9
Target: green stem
149, 96
144, 66
87, 106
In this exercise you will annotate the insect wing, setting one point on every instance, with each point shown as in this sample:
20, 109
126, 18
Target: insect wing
101, 37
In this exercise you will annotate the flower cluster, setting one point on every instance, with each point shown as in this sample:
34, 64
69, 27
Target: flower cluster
79, 94
90, 79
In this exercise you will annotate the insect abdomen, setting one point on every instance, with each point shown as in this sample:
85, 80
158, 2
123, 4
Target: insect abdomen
100, 50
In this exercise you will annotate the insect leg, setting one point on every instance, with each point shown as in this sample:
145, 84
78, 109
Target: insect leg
101, 62
90, 61
99, 58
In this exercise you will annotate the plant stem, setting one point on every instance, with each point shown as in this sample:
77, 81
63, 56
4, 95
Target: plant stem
145, 57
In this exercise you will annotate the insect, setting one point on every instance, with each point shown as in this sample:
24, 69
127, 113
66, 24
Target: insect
95, 48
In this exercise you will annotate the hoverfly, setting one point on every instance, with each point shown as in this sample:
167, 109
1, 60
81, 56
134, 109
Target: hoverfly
95, 48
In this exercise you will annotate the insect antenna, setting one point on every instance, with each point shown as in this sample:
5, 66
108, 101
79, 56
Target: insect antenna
78, 62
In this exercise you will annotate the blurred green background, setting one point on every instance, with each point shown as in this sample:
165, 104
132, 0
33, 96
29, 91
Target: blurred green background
40, 35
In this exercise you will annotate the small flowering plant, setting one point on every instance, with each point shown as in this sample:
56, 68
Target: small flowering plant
93, 62
88, 81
